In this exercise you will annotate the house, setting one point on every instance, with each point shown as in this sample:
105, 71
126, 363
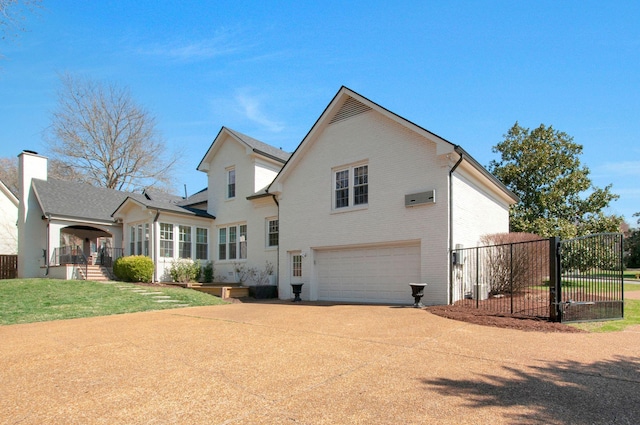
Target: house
61, 222
239, 169
8, 221
370, 202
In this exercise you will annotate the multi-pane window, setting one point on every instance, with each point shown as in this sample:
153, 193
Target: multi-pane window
351, 186
232, 242
296, 265
166, 240
222, 243
361, 185
139, 240
146, 239
272, 232
243, 241
342, 189
202, 243
231, 183
184, 241
132, 240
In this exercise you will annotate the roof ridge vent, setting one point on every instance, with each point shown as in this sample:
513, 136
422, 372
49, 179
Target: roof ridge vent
350, 108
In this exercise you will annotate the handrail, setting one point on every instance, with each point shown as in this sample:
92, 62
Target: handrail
70, 255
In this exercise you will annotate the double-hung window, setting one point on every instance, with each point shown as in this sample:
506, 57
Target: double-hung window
351, 186
231, 183
184, 238
132, 240
272, 232
202, 244
139, 240
232, 242
166, 240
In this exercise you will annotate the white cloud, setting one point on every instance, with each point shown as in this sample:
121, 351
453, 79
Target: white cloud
251, 107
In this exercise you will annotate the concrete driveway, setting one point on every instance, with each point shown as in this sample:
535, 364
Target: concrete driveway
280, 363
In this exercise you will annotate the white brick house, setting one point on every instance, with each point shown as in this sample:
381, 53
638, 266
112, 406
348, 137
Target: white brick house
8, 221
370, 202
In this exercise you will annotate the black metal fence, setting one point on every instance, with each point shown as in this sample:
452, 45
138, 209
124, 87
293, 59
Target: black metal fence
106, 256
589, 284
506, 279
572, 280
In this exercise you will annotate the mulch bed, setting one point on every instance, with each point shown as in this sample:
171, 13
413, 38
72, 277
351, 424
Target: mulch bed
500, 320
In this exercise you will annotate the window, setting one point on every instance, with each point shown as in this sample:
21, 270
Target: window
202, 244
232, 242
231, 183
296, 265
139, 240
132, 240
166, 240
343, 197
184, 239
222, 244
146, 239
272, 232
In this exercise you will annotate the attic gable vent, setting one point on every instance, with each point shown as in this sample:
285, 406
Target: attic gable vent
350, 108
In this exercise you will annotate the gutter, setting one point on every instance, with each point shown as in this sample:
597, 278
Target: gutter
459, 151
155, 252
278, 248
48, 250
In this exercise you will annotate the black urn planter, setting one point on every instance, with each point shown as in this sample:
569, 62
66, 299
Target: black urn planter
417, 292
261, 292
297, 289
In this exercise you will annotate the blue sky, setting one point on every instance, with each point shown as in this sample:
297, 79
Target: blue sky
465, 70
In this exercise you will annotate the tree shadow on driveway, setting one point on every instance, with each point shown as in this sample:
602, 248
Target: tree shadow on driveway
568, 392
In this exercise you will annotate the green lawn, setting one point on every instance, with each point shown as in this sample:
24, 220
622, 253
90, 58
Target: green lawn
39, 300
631, 316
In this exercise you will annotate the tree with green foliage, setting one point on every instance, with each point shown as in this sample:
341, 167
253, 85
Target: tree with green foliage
542, 167
632, 247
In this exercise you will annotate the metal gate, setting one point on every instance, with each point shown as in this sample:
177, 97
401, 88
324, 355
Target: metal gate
563, 281
586, 278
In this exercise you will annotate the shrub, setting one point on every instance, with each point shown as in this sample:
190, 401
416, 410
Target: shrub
514, 261
134, 268
208, 272
184, 270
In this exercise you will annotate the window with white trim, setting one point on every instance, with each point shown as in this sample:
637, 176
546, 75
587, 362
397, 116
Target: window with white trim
232, 242
139, 240
296, 265
132, 240
184, 241
231, 183
166, 240
272, 232
351, 186
146, 239
202, 243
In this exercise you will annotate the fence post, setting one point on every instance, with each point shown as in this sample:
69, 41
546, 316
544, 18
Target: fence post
555, 287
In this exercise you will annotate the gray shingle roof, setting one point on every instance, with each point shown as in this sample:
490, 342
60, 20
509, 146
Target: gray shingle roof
261, 147
81, 200
196, 198
74, 199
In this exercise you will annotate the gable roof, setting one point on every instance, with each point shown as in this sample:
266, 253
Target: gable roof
9, 194
62, 198
254, 145
75, 200
197, 198
347, 103
161, 201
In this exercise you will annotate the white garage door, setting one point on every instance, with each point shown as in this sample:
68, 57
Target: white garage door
373, 274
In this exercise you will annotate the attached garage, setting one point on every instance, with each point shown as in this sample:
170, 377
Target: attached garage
378, 274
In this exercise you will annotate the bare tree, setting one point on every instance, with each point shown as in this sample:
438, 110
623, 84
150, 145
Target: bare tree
103, 136
9, 172
11, 14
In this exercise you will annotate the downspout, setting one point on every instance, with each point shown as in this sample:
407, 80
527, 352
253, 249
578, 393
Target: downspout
47, 260
278, 248
155, 252
456, 149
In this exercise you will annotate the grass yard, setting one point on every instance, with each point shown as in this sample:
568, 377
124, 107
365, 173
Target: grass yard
631, 315
40, 300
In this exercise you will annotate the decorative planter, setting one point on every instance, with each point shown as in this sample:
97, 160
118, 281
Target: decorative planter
417, 292
297, 289
261, 292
